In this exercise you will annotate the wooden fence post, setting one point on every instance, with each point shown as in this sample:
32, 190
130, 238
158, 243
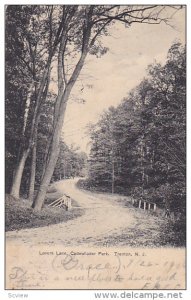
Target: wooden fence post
139, 203
69, 203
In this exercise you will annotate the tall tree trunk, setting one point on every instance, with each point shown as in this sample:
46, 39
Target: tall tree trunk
45, 158
64, 90
33, 172
35, 137
15, 189
59, 112
113, 178
52, 159
41, 96
39, 101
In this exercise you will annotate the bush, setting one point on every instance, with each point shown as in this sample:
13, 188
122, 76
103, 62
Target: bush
51, 189
19, 214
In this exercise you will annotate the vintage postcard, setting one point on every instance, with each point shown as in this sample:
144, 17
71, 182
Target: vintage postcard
95, 146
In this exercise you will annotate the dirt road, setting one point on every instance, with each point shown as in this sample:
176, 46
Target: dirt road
74, 255
106, 222
102, 217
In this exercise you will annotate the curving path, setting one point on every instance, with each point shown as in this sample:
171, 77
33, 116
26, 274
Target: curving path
65, 255
103, 216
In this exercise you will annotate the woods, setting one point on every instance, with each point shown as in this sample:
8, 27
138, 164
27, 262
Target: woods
46, 48
95, 147
139, 147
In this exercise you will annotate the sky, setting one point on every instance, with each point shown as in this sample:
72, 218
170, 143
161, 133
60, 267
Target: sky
112, 76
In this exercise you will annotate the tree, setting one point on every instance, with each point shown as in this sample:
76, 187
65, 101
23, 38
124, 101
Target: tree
103, 151
83, 26
16, 90
68, 34
38, 30
70, 163
148, 135
113, 154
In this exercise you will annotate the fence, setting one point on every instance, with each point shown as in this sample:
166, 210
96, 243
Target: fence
62, 202
144, 204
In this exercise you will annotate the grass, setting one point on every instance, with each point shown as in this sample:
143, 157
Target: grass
160, 231
20, 215
85, 184
88, 185
53, 194
150, 229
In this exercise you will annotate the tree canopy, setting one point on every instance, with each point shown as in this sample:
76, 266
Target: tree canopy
139, 147
48, 44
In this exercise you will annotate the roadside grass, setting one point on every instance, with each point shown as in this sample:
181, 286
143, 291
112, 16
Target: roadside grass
20, 215
150, 229
87, 185
53, 193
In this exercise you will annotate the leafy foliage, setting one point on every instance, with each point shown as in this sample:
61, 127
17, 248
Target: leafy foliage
139, 147
19, 215
40, 38
70, 163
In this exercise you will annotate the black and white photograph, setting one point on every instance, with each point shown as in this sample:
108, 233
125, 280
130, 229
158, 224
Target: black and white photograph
95, 147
